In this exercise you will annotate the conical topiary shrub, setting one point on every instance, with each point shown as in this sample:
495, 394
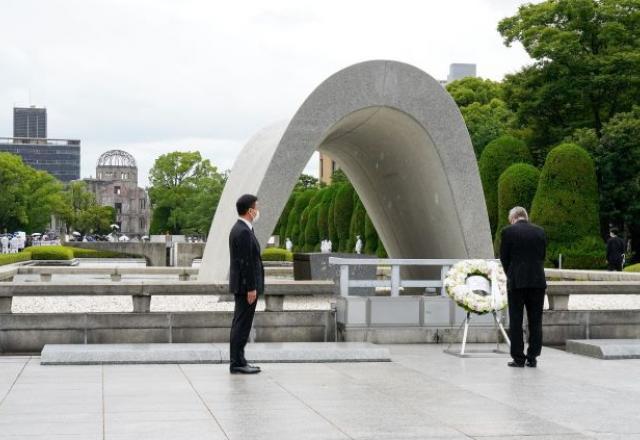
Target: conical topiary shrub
356, 227
516, 187
284, 218
293, 222
497, 156
342, 211
311, 237
566, 201
323, 212
331, 225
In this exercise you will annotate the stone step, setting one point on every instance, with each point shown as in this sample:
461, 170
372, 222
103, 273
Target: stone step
83, 354
605, 348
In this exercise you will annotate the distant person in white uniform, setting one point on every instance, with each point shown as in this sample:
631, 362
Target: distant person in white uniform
14, 245
4, 242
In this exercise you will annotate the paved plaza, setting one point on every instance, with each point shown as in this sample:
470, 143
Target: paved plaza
422, 394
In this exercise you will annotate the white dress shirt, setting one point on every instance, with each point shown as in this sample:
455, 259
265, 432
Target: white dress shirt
247, 222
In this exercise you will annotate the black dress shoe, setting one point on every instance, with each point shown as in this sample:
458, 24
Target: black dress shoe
254, 366
532, 363
515, 364
246, 369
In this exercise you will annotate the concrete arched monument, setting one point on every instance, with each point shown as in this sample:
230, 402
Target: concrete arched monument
402, 142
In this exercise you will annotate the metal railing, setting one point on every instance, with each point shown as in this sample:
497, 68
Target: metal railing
395, 282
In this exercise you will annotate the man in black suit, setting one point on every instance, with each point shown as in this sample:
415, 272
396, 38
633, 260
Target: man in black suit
615, 251
246, 281
522, 253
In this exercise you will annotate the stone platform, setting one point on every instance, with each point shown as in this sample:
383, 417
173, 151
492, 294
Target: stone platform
605, 348
87, 354
422, 394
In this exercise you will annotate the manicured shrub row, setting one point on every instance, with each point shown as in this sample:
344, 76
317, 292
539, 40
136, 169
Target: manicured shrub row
276, 254
14, 258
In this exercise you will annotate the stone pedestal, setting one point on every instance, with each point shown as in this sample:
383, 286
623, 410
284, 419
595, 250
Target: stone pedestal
315, 266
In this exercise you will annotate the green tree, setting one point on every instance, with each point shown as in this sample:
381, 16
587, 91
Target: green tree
566, 201
305, 181
516, 187
497, 156
618, 163
587, 59
469, 90
29, 197
95, 219
487, 122
82, 213
186, 189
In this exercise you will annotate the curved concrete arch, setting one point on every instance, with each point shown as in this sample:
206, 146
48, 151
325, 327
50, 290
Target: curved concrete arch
400, 139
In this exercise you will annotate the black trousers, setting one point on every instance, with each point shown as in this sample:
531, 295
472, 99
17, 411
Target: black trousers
240, 329
615, 265
533, 300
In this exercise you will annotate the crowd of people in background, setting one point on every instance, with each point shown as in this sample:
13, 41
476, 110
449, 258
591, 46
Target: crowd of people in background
12, 243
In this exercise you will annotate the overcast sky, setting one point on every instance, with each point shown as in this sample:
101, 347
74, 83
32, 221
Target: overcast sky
153, 76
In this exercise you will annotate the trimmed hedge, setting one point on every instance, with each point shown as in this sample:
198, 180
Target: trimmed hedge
323, 212
50, 252
343, 210
14, 258
381, 252
276, 254
356, 227
331, 225
516, 187
299, 246
311, 235
496, 157
95, 253
284, 219
633, 268
587, 253
370, 236
293, 222
566, 201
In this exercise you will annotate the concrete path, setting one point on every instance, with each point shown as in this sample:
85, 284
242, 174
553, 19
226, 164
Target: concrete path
422, 394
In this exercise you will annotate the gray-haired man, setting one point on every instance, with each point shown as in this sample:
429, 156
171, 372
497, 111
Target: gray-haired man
522, 252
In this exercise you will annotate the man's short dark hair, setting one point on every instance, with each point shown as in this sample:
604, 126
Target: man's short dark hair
245, 202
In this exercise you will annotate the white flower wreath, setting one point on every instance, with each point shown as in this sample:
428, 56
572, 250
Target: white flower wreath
478, 286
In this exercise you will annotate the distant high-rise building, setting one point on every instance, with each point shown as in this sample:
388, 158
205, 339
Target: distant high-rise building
58, 157
29, 122
460, 70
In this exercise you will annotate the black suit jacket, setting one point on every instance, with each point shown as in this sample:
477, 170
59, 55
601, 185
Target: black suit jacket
615, 249
246, 272
522, 252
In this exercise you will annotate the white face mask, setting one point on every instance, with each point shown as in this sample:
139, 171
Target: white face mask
256, 216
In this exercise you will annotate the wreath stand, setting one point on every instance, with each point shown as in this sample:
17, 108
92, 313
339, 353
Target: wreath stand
478, 353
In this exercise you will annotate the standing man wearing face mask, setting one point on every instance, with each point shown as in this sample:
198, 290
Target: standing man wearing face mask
246, 281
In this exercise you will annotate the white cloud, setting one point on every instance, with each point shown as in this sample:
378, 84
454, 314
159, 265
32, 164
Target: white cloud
151, 76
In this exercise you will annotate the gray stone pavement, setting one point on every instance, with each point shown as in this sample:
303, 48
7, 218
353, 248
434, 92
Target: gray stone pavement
422, 394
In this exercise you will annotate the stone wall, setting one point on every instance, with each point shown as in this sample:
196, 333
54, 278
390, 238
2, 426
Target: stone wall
185, 253
28, 333
156, 253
